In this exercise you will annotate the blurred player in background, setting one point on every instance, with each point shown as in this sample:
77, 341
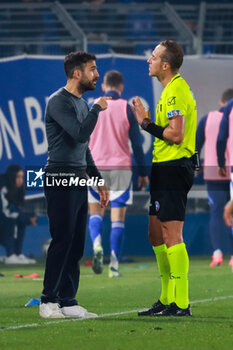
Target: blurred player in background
69, 123
228, 213
218, 186
228, 216
224, 142
171, 176
13, 220
109, 145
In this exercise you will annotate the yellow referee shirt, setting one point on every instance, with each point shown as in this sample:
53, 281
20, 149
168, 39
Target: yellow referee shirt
176, 99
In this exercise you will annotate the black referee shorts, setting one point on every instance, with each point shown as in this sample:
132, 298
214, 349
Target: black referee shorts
169, 186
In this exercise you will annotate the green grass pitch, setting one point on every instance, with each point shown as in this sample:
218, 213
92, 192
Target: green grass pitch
119, 327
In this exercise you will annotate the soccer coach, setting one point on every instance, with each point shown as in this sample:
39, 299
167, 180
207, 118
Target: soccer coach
171, 176
69, 124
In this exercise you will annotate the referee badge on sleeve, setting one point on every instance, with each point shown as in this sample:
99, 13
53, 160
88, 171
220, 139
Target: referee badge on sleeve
171, 100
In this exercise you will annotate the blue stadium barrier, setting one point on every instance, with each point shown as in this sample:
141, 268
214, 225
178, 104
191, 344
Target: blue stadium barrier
22, 103
196, 236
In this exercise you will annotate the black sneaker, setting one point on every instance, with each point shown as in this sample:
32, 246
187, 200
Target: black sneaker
174, 310
156, 307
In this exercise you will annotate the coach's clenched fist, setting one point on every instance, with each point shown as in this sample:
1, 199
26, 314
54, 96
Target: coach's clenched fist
102, 102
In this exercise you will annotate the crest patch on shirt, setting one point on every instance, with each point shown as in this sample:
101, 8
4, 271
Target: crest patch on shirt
157, 206
171, 100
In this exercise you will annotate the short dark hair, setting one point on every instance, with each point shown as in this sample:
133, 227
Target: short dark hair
227, 95
173, 54
76, 60
113, 78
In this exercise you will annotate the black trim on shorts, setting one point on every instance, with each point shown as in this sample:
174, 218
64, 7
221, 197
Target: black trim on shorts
181, 161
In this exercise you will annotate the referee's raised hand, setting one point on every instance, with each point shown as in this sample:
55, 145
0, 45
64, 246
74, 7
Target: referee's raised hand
138, 110
102, 102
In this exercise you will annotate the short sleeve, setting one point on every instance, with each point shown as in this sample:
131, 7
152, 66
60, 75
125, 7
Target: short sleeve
175, 102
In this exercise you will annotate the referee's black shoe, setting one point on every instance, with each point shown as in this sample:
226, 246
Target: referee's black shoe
174, 310
156, 308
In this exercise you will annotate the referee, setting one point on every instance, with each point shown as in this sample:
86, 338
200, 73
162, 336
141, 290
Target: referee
171, 176
69, 124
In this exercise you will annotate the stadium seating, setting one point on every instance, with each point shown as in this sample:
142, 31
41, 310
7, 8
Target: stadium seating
122, 26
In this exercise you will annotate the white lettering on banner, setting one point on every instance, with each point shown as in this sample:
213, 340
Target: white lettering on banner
31, 103
12, 131
1, 146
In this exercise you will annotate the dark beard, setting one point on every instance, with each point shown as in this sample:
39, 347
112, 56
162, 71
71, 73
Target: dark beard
85, 85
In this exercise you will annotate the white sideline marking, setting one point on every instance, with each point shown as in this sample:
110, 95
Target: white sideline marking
12, 328
41, 279
211, 299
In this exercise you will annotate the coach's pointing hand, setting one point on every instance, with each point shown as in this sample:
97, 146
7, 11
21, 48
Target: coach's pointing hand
102, 102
